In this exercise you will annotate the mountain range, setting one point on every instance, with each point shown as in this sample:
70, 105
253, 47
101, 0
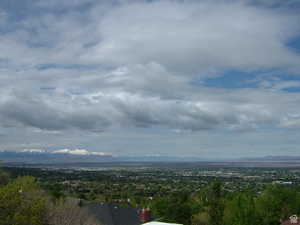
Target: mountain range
37, 156
58, 156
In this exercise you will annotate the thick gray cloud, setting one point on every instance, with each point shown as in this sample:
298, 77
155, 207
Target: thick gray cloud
99, 110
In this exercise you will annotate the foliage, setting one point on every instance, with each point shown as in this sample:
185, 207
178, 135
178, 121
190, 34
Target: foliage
215, 203
201, 218
4, 178
277, 203
22, 202
240, 210
173, 208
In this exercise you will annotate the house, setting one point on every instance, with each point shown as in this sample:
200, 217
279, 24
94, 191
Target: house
293, 220
114, 214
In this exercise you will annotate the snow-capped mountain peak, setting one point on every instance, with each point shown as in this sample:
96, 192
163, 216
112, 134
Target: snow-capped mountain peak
78, 152
34, 150
72, 151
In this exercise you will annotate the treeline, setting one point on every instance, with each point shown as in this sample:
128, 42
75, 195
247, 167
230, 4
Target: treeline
215, 206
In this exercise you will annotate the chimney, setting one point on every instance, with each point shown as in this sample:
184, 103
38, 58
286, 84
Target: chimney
294, 219
145, 215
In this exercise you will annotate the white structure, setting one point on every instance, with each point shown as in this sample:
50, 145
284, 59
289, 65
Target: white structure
160, 223
294, 219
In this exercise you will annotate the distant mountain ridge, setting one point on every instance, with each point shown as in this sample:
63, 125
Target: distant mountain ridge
37, 156
34, 156
272, 158
53, 157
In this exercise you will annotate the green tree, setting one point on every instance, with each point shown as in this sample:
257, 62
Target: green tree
175, 208
277, 203
4, 178
240, 210
201, 218
215, 202
22, 202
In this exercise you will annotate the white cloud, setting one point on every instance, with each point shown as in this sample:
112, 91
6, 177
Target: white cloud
291, 121
190, 37
195, 36
130, 65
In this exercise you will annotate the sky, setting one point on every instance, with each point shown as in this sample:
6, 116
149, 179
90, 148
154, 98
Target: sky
189, 78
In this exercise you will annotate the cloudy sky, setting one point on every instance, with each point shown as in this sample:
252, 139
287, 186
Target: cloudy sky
205, 78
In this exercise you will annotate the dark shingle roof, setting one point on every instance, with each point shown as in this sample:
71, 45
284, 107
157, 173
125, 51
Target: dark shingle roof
113, 214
